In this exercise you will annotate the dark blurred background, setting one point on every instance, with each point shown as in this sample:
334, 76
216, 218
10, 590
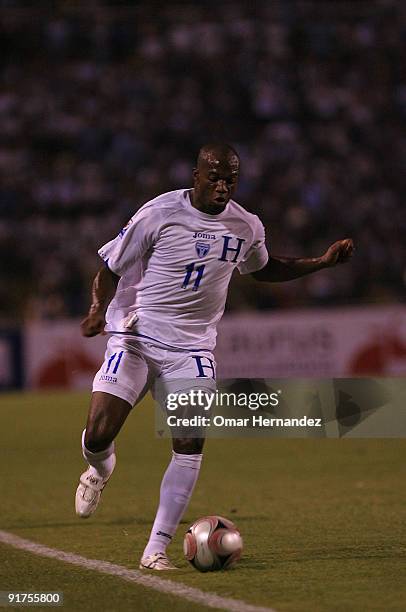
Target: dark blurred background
104, 106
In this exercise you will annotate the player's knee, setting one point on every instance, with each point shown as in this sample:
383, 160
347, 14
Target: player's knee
188, 446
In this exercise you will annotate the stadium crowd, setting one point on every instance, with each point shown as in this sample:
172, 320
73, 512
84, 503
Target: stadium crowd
102, 109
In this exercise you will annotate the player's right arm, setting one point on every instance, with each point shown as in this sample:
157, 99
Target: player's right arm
103, 290
119, 255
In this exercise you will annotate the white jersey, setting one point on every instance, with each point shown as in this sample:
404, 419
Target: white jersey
175, 264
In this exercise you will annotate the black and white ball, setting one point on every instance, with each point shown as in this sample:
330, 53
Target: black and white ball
212, 543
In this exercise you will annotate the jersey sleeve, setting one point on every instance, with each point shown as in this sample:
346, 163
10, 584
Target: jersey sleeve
257, 255
133, 241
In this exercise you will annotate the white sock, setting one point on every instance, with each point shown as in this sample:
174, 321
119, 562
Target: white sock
176, 490
103, 462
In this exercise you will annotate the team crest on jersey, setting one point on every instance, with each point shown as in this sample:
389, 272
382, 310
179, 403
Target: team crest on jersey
202, 248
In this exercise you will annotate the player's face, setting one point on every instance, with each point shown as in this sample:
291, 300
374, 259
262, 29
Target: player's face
215, 182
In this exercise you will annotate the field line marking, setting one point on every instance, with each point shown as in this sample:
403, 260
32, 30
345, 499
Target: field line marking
211, 600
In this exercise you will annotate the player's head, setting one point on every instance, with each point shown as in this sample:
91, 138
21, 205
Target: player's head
215, 177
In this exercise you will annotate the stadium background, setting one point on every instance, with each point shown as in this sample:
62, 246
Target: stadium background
104, 105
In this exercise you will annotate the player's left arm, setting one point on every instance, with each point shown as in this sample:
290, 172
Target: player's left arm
279, 269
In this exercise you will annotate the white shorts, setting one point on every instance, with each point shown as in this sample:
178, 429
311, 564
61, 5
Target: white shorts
132, 368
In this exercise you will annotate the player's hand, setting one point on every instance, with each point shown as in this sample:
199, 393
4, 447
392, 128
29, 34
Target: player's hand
93, 324
339, 252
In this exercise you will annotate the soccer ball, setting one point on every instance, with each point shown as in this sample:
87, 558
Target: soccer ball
212, 543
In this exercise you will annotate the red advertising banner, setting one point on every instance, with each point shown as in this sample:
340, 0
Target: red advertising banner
365, 341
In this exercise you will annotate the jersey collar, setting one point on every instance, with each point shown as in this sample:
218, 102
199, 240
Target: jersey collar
199, 213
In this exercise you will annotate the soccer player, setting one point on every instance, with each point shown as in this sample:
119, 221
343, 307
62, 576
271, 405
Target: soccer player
160, 294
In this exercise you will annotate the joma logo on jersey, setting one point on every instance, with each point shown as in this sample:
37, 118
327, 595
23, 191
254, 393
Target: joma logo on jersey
202, 248
205, 236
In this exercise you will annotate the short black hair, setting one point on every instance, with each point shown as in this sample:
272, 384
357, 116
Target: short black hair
221, 149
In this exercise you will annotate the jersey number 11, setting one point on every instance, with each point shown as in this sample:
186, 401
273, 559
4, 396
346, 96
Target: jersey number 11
189, 271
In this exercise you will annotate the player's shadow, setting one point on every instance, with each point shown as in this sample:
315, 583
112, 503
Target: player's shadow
281, 558
341, 553
251, 563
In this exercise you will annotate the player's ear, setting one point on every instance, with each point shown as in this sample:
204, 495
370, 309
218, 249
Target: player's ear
195, 174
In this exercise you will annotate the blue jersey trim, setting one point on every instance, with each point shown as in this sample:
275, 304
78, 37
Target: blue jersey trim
188, 350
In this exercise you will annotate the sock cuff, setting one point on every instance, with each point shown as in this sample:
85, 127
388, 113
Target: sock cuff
189, 461
104, 454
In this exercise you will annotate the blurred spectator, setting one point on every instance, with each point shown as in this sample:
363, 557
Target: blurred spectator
104, 108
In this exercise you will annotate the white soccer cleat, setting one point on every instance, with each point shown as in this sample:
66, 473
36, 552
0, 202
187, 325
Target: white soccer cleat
157, 561
88, 493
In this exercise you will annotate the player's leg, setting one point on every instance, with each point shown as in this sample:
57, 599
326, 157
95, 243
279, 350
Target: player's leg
119, 383
176, 490
182, 375
106, 416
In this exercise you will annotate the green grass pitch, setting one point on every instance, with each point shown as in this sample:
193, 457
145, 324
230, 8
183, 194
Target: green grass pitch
323, 521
